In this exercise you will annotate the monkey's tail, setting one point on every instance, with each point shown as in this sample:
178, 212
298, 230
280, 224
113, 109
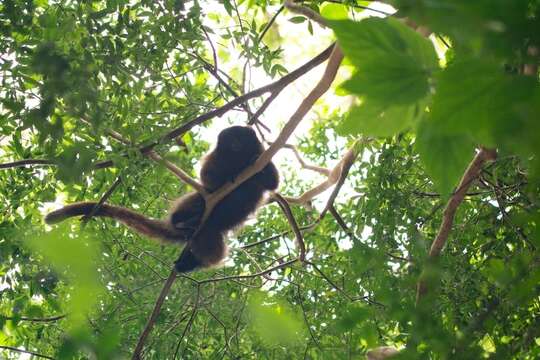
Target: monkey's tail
150, 227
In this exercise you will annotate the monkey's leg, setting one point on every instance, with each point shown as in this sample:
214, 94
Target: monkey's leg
187, 212
187, 261
205, 250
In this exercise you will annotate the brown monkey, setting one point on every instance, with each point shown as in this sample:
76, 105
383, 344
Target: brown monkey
236, 149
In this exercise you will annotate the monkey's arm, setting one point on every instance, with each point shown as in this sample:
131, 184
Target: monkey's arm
146, 226
268, 177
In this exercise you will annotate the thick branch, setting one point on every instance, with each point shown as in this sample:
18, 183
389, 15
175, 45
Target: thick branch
451, 207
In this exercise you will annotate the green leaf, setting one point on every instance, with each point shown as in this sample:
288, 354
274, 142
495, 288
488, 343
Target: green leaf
374, 119
72, 256
354, 315
274, 321
334, 11
476, 97
445, 156
394, 63
390, 80
297, 19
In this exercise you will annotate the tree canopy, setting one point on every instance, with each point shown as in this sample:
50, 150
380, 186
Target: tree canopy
406, 134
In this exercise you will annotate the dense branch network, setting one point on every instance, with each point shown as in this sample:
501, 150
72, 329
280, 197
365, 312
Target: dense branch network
212, 199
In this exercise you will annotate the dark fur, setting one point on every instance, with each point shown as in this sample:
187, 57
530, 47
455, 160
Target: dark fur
236, 149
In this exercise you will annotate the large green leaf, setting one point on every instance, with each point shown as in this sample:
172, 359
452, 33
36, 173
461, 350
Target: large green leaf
394, 63
73, 257
374, 119
445, 156
476, 97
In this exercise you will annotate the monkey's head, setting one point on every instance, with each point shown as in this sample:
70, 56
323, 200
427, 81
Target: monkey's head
240, 140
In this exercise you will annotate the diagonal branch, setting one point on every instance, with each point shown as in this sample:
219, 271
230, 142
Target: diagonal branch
12, 348
284, 205
449, 212
155, 312
334, 176
181, 174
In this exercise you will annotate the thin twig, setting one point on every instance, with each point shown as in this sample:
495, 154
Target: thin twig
250, 276
181, 174
11, 348
21, 163
190, 321
22, 318
269, 24
154, 315
102, 201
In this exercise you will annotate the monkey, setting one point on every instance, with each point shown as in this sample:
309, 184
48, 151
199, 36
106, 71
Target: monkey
237, 148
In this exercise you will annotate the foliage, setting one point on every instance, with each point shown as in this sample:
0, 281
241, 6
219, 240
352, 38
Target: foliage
79, 76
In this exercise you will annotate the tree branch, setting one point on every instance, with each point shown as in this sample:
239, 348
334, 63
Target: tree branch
21, 163
307, 12
292, 221
181, 174
335, 175
155, 312
450, 210
11, 348
22, 318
